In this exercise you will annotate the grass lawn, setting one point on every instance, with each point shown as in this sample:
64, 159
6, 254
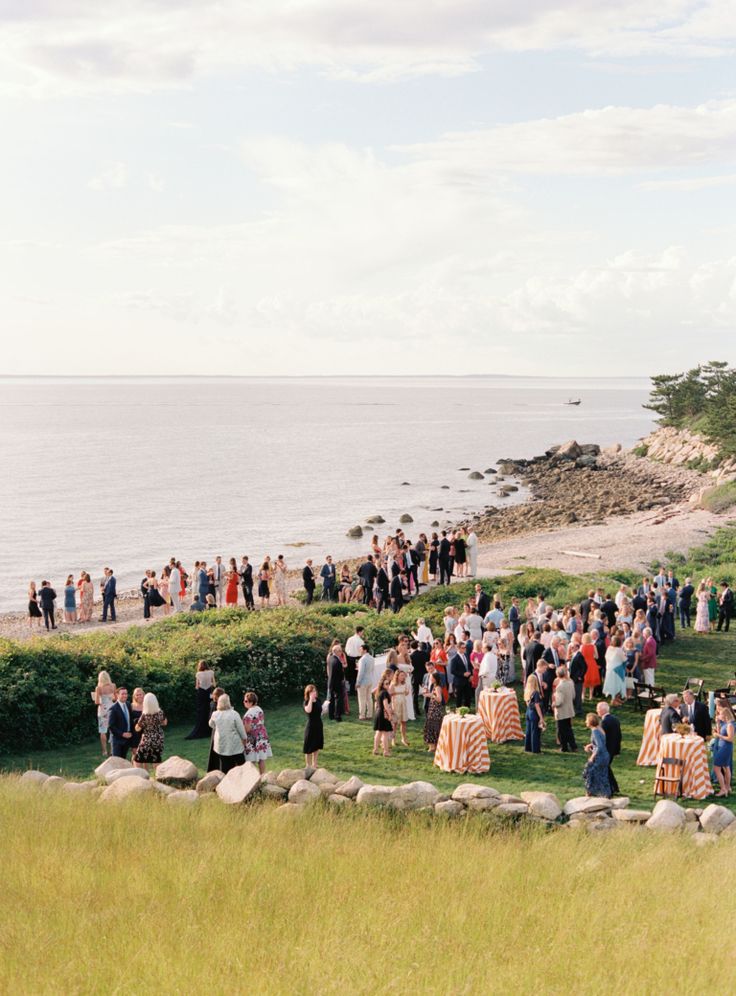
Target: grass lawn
146, 898
348, 745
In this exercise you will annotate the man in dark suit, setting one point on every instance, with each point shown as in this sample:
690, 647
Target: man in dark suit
725, 607
396, 591
119, 724
335, 683
696, 713
670, 714
367, 573
578, 670
419, 659
482, 601
308, 582
551, 657
612, 732
532, 652
329, 576
383, 588
47, 597
461, 671
109, 594
686, 596
586, 607
443, 559
246, 582
609, 610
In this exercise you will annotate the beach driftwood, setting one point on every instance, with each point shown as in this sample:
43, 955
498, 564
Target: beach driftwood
579, 553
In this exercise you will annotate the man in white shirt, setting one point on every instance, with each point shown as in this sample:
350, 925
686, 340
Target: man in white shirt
423, 635
495, 615
364, 684
474, 624
353, 650
488, 670
175, 587
471, 544
219, 573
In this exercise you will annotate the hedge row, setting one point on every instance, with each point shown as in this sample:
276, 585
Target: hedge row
45, 684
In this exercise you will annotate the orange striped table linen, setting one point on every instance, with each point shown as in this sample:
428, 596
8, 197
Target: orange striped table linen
462, 745
499, 711
650, 739
692, 750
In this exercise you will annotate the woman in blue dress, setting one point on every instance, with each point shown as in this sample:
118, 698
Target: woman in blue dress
70, 600
534, 715
723, 746
595, 772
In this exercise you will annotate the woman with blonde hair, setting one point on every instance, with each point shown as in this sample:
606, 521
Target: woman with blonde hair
702, 619
399, 691
103, 697
228, 740
723, 746
314, 736
533, 697
34, 611
258, 746
151, 728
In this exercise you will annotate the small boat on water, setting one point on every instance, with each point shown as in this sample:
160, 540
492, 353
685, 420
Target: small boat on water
570, 401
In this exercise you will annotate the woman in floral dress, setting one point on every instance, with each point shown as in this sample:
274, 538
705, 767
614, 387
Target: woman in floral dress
151, 728
279, 579
257, 746
702, 616
435, 713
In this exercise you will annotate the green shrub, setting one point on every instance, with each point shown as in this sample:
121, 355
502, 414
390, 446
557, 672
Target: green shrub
641, 450
721, 498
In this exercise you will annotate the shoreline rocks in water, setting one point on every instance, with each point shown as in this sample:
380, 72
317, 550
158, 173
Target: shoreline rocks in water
580, 483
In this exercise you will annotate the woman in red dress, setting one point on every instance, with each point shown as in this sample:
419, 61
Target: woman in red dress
233, 583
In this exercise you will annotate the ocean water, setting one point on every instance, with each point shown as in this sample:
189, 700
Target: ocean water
127, 472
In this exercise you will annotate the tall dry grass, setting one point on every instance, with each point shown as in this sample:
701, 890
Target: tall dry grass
145, 898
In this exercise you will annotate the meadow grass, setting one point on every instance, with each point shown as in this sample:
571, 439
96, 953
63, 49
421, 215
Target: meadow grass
348, 745
144, 897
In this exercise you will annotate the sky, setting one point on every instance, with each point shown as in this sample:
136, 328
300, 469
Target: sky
260, 187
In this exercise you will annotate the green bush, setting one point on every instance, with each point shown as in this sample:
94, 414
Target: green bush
721, 498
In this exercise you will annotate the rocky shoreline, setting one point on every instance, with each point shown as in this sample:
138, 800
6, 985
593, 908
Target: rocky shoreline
582, 484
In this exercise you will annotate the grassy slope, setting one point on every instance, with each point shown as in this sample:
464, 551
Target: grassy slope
152, 899
348, 745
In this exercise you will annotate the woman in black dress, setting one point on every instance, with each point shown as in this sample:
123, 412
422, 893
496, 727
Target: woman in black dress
434, 546
435, 713
382, 723
460, 556
204, 682
34, 610
314, 737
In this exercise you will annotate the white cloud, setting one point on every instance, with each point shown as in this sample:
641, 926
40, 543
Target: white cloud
114, 177
606, 141
81, 44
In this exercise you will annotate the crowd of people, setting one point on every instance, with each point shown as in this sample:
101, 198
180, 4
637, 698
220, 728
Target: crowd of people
391, 573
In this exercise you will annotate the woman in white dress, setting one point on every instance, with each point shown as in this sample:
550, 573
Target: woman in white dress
702, 620
103, 697
400, 700
408, 669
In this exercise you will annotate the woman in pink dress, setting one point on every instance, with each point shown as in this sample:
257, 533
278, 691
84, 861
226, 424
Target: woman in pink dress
702, 619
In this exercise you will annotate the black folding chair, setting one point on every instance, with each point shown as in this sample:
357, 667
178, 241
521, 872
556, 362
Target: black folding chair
695, 685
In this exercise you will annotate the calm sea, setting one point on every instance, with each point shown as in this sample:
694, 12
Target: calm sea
129, 472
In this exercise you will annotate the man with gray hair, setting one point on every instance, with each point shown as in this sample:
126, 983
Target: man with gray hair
563, 702
670, 713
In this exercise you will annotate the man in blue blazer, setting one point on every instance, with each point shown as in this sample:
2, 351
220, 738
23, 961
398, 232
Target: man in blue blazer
109, 594
120, 725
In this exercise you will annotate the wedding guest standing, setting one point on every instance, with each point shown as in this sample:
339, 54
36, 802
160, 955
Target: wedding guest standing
103, 697
308, 582
471, 544
382, 715
34, 611
213, 761
136, 711
204, 681
364, 684
723, 747
264, 579
279, 579
246, 582
314, 734
435, 712
595, 772
533, 697
696, 714
228, 736
47, 597
563, 701
258, 746
336, 683
329, 577
233, 582
175, 586
612, 732
109, 594
217, 580
151, 728
86, 597
725, 607
592, 673
120, 724
400, 692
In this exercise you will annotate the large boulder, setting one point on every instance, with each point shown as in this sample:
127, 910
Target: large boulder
177, 771
466, 792
53, 783
374, 795
271, 791
405, 518
475, 475
80, 788
482, 802
323, 777
339, 800
667, 815
113, 776
186, 797
355, 532
163, 789
302, 792
239, 783
620, 802
568, 451
289, 776
414, 795
209, 782
33, 777
715, 819
511, 809
586, 804
111, 764
543, 804
449, 807
375, 520
125, 788
631, 815
350, 788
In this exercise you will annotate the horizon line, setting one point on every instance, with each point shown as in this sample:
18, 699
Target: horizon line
352, 376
